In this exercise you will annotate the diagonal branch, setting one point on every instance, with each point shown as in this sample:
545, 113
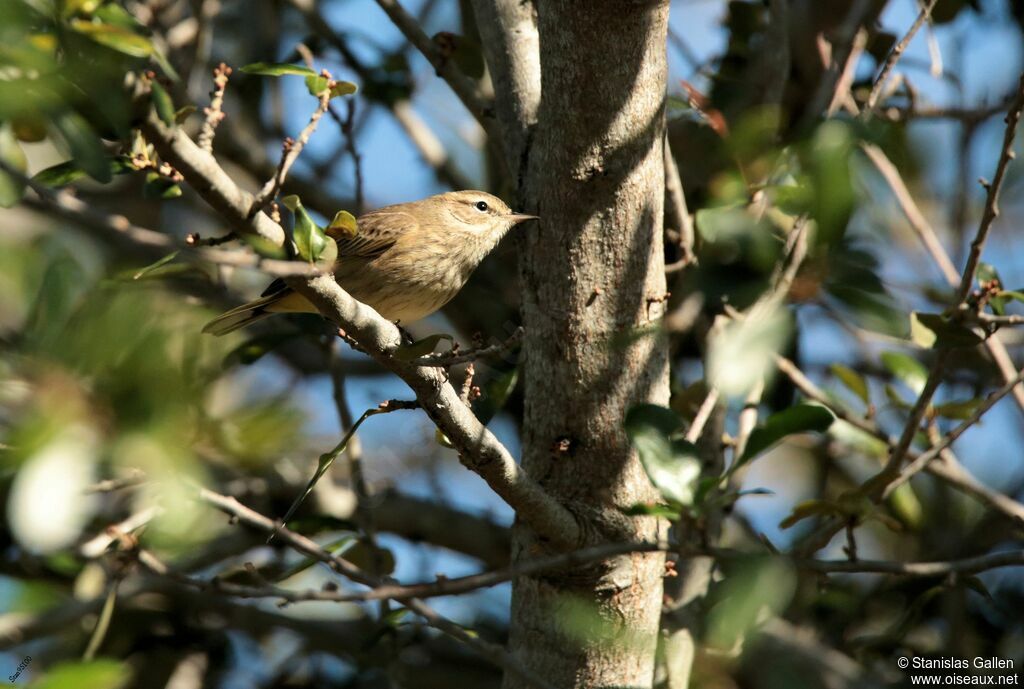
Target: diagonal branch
462, 85
478, 449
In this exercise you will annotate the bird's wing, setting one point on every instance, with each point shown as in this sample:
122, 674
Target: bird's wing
378, 232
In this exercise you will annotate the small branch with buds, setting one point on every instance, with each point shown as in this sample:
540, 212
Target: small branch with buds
453, 357
214, 112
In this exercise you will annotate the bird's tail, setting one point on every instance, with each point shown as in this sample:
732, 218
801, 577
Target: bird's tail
241, 316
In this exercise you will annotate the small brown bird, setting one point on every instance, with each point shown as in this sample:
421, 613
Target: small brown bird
406, 261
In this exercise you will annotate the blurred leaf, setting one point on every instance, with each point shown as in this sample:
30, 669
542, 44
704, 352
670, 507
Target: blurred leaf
421, 347
671, 463
365, 556
183, 113
960, 409
343, 226
343, 88
86, 148
907, 369
806, 509
253, 349
986, 275
975, 584
895, 397
936, 331
904, 503
827, 165
1016, 295
163, 103
742, 354
11, 154
852, 380
801, 418
157, 264
277, 69
316, 84
69, 171
752, 591
119, 38
92, 674
309, 237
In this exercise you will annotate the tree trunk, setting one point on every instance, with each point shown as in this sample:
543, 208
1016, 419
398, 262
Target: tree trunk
592, 279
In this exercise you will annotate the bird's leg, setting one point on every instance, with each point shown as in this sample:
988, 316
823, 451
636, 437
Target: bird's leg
406, 337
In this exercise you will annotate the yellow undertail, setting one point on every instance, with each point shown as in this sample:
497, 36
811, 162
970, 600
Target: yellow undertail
284, 301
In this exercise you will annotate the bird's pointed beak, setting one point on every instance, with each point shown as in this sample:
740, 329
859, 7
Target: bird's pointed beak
521, 217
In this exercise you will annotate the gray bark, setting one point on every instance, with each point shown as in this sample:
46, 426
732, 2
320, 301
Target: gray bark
592, 275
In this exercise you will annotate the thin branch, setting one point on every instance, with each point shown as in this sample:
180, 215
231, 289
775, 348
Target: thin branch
300, 543
292, 149
478, 449
676, 212
446, 359
894, 56
991, 211
969, 565
214, 113
702, 416
951, 472
64, 204
462, 85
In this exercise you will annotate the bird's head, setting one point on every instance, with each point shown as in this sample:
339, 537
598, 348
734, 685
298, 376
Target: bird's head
478, 213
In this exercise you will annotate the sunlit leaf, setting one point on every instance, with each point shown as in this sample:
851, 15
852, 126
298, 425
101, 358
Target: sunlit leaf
937, 331
742, 354
91, 674
907, 369
343, 226
959, 409
854, 381
112, 36
309, 237
671, 463
155, 265
801, 418
316, 84
277, 69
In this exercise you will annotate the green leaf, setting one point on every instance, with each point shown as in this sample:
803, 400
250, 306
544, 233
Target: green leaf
182, 113
93, 674
1016, 295
309, 237
808, 509
852, 380
11, 189
316, 84
907, 369
119, 38
959, 409
69, 171
142, 272
85, 147
277, 69
936, 331
343, 226
163, 103
801, 418
671, 463
421, 347
987, 273
754, 589
343, 88
159, 187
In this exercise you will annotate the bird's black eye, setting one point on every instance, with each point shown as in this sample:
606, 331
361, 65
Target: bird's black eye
481, 206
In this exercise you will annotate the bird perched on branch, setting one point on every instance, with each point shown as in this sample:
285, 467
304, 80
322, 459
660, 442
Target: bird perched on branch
406, 260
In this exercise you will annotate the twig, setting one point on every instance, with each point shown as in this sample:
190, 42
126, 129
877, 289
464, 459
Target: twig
214, 113
300, 543
66, 205
894, 56
478, 449
702, 416
677, 212
969, 565
292, 148
842, 48
462, 85
991, 211
446, 359
951, 472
